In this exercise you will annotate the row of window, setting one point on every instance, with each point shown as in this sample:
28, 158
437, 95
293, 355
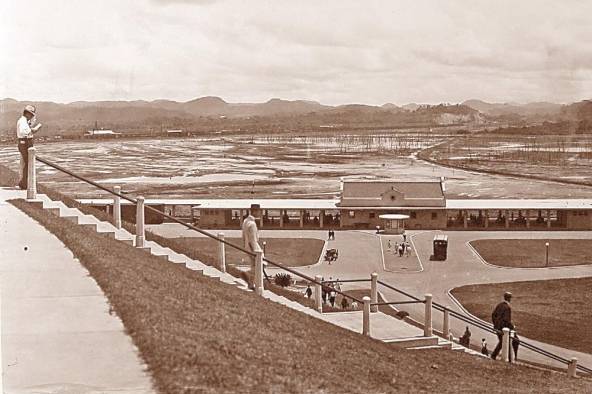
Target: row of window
412, 215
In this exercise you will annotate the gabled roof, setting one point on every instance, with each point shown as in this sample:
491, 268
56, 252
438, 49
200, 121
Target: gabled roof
375, 189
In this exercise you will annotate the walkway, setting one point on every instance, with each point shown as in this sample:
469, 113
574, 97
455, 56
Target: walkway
57, 332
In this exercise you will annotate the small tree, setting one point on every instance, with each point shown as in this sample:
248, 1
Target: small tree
282, 279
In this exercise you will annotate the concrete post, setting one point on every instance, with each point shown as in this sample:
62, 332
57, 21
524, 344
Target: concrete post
527, 217
446, 324
465, 219
507, 223
486, 217
301, 218
281, 218
374, 291
117, 207
31, 176
506, 344
572, 367
321, 218
318, 294
427, 327
221, 253
140, 231
548, 218
366, 316
259, 273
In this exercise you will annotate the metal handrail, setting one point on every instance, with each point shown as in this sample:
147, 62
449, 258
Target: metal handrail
346, 280
396, 303
189, 226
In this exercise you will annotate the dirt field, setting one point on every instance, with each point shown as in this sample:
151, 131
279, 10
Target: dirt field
292, 252
530, 253
553, 311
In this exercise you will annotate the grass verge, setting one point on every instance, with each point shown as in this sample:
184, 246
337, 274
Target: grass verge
553, 311
530, 253
199, 335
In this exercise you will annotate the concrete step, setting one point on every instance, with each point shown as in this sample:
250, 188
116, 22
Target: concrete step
413, 342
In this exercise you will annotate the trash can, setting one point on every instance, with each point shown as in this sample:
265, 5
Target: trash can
440, 247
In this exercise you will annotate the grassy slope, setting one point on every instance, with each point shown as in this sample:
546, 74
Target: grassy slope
293, 252
531, 252
544, 310
198, 335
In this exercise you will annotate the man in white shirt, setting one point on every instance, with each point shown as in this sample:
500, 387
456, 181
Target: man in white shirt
24, 134
249, 232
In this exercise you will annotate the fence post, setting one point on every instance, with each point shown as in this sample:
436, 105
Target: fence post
31, 176
427, 327
221, 253
374, 291
318, 294
506, 344
446, 324
259, 273
117, 207
572, 367
366, 316
140, 231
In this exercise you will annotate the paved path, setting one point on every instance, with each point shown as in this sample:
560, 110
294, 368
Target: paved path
57, 333
360, 255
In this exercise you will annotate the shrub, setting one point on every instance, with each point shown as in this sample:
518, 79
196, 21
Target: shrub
282, 279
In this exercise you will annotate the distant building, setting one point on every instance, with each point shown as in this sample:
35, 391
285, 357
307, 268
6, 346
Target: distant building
100, 133
175, 132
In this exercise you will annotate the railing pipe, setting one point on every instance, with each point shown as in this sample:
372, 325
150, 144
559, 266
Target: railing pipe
366, 316
117, 207
427, 327
374, 292
31, 175
221, 253
395, 303
140, 228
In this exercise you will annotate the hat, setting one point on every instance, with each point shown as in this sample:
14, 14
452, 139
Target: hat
255, 206
507, 295
30, 109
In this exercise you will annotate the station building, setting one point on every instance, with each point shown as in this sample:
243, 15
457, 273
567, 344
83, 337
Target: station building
362, 203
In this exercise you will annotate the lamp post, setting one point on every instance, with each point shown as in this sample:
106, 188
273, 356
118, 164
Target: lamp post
546, 254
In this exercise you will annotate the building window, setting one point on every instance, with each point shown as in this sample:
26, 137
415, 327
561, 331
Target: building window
434, 215
413, 215
371, 215
352, 214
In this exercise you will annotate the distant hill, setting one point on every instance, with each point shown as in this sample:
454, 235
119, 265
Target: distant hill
530, 109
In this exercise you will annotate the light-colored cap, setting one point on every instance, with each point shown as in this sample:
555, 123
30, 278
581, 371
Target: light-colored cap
31, 109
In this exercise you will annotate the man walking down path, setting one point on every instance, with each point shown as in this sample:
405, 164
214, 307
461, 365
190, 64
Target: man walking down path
502, 318
58, 334
24, 135
251, 236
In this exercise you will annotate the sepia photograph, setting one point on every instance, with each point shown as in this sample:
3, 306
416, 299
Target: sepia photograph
334, 196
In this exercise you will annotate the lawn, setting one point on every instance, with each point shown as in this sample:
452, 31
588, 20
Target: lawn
554, 311
198, 335
530, 253
292, 252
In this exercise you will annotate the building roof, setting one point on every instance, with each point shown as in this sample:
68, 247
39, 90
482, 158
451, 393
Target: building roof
547, 203
375, 188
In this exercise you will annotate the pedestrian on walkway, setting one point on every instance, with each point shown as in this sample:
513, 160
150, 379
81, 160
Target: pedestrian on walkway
465, 340
484, 349
354, 305
332, 296
388, 245
502, 318
401, 249
407, 249
251, 237
24, 135
344, 303
308, 291
515, 343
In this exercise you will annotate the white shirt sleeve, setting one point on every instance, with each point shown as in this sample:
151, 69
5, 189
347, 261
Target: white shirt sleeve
23, 130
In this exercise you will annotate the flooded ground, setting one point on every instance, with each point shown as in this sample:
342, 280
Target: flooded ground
282, 167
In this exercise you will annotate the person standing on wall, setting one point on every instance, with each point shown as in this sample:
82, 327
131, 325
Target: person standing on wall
502, 318
24, 135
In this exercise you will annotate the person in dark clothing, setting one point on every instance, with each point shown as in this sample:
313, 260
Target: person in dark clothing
502, 318
308, 292
465, 340
515, 344
332, 298
484, 349
344, 303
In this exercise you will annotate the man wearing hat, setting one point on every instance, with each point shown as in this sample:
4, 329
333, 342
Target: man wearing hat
24, 134
502, 318
249, 231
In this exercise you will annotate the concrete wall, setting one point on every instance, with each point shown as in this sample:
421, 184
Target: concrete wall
214, 218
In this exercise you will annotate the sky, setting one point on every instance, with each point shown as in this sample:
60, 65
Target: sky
334, 52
